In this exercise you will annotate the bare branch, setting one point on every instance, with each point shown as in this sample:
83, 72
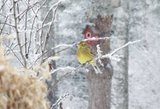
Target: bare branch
3, 4
20, 16
48, 24
73, 69
27, 3
17, 34
53, 19
3, 25
118, 49
8, 46
13, 46
43, 22
25, 34
59, 100
96, 38
67, 46
15, 55
38, 58
34, 19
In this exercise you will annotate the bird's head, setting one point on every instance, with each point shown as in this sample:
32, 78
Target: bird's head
82, 44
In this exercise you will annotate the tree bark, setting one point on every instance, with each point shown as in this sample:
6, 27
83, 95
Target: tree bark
100, 84
100, 90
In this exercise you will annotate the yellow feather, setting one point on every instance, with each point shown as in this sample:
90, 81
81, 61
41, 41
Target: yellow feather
84, 54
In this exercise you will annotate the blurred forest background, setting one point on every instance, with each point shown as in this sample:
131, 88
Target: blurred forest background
43, 34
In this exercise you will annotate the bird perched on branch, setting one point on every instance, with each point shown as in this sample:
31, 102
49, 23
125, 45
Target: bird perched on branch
84, 55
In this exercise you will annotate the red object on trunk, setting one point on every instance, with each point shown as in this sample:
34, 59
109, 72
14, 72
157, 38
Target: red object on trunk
90, 32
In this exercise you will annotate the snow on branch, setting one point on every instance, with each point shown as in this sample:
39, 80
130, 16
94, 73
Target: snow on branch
3, 25
59, 100
46, 16
109, 55
50, 26
20, 15
96, 38
33, 23
17, 33
3, 4
9, 48
63, 45
66, 69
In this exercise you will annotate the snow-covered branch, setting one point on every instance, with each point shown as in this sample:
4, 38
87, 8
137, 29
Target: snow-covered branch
66, 69
59, 100
109, 55
3, 25
50, 26
28, 8
3, 4
33, 23
17, 34
43, 22
96, 38
63, 45
10, 49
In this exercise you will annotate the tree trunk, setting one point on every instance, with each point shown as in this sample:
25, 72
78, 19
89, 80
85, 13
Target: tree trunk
100, 90
100, 84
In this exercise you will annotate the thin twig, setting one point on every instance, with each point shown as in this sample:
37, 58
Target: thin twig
10, 46
15, 55
96, 38
52, 22
60, 79
27, 3
59, 100
3, 4
17, 34
25, 34
73, 69
48, 51
7, 24
43, 22
118, 49
15, 46
48, 24
28, 8
34, 19
3, 25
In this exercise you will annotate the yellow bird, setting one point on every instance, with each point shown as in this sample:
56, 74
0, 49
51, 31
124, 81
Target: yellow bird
84, 54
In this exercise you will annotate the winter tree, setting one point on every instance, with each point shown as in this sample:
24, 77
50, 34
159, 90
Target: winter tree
46, 32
